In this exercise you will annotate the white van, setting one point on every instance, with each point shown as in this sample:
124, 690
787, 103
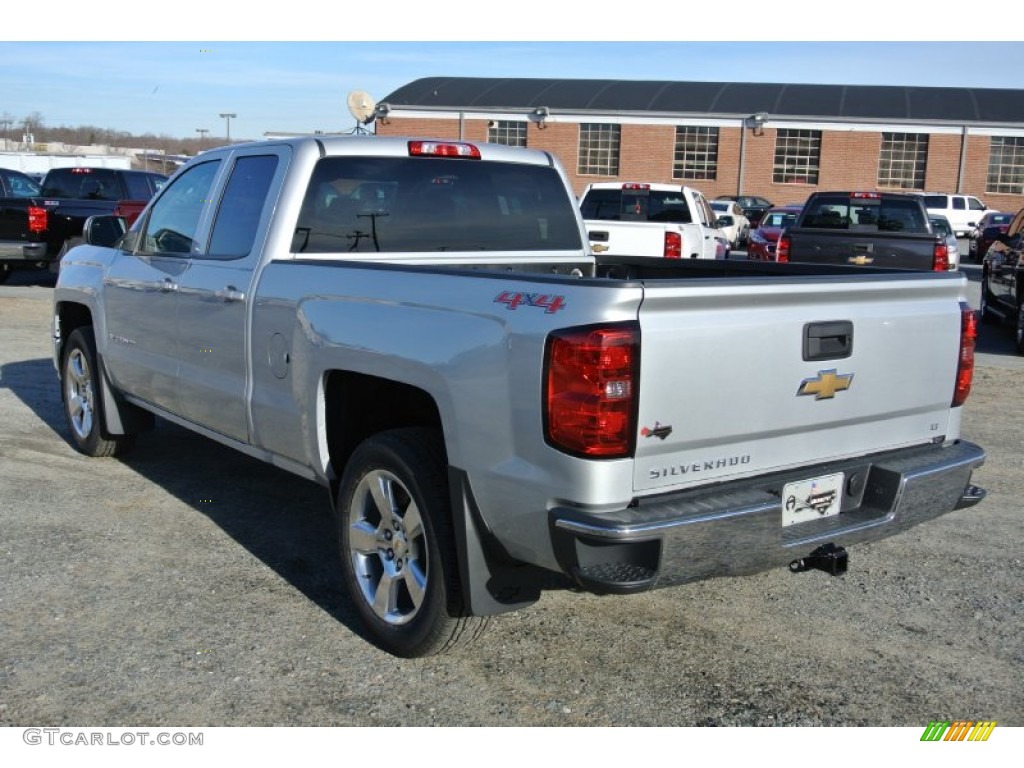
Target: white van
963, 211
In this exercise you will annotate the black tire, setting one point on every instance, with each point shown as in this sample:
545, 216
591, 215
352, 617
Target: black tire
397, 547
985, 310
1019, 329
80, 393
5, 275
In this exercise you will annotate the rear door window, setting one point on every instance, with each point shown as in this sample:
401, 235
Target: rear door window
241, 207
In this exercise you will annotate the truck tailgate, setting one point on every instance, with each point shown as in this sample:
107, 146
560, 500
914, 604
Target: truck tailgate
638, 238
739, 377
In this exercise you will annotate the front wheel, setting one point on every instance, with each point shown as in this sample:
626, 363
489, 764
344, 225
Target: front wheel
397, 546
80, 390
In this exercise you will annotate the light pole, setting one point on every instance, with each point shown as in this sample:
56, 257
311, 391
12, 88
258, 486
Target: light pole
227, 116
202, 134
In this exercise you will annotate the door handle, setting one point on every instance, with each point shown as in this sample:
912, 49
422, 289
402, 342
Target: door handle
230, 293
168, 286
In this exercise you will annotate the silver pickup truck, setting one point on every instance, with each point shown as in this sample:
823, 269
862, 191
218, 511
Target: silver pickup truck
421, 327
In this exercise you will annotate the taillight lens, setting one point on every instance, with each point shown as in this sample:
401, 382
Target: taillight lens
591, 388
940, 258
782, 249
36, 219
673, 245
965, 365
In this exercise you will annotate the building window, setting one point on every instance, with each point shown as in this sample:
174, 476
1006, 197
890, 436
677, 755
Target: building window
511, 133
902, 160
797, 156
1006, 165
696, 155
599, 149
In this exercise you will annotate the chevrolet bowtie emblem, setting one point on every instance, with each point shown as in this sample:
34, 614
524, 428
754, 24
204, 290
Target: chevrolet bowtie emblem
825, 385
860, 260
598, 248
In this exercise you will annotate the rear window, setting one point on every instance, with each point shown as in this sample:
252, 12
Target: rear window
887, 214
399, 204
83, 184
142, 186
636, 205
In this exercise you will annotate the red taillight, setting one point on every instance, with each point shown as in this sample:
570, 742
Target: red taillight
673, 245
940, 258
782, 248
37, 219
443, 149
590, 390
965, 365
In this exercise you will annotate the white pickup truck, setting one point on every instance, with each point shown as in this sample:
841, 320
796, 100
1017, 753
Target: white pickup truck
420, 327
662, 221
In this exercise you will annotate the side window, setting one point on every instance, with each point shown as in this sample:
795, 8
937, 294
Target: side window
958, 204
975, 204
138, 186
704, 211
241, 207
173, 222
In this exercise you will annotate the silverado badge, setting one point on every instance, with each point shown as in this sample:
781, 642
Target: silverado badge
825, 385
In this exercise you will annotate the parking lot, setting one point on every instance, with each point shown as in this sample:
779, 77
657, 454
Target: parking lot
189, 585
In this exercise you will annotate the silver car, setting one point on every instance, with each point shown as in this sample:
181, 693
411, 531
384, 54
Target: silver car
942, 227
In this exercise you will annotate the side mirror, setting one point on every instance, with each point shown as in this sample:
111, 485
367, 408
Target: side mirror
104, 231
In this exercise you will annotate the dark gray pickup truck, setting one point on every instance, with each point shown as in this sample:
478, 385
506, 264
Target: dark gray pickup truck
865, 228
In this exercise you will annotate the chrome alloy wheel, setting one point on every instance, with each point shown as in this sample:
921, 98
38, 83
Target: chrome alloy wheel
79, 393
388, 547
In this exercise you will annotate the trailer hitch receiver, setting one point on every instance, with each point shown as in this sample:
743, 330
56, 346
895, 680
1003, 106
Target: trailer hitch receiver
827, 557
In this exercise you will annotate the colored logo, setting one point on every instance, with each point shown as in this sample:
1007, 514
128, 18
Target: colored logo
825, 385
960, 730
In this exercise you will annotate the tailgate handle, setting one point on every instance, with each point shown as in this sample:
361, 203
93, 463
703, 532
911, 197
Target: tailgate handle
601, 237
828, 341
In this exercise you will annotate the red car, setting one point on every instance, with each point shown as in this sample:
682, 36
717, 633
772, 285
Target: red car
992, 225
761, 246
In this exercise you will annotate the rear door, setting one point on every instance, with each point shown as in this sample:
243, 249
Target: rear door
745, 376
216, 293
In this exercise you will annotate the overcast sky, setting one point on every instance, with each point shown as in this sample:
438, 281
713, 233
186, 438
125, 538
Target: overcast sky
172, 88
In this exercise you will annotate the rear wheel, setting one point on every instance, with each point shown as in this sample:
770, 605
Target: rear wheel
1020, 329
397, 546
80, 391
985, 311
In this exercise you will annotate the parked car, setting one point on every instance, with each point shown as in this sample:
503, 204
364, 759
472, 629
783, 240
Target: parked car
963, 211
942, 227
1002, 280
992, 225
753, 206
733, 222
764, 238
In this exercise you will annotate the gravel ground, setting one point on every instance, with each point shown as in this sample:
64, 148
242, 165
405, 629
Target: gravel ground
188, 585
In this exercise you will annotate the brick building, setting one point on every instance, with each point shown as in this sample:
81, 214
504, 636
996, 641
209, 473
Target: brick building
775, 140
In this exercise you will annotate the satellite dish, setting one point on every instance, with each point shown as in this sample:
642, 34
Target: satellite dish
361, 106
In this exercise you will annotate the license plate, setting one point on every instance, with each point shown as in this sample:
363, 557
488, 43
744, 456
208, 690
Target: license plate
812, 499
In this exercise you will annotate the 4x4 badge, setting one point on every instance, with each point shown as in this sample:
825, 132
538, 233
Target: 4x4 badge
825, 385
